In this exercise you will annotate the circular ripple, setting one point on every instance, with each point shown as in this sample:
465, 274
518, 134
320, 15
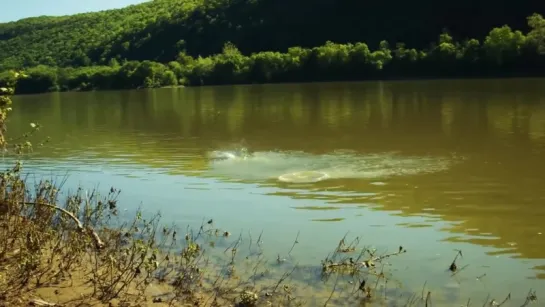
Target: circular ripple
303, 177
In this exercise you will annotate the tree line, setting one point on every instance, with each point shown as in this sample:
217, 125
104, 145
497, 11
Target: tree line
159, 30
504, 52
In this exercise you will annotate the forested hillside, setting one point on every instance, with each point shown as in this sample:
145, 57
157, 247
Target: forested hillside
160, 29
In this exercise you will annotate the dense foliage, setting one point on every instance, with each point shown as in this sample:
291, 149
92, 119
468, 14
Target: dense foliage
503, 52
158, 30
196, 42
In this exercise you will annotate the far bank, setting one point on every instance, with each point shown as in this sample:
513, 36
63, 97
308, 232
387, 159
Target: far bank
504, 53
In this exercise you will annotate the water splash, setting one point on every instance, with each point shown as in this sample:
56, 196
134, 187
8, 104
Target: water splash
287, 165
238, 153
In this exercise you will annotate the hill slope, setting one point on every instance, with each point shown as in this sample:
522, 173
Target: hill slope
160, 29
70, 40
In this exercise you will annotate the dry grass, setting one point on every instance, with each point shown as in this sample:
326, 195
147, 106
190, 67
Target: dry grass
81, 253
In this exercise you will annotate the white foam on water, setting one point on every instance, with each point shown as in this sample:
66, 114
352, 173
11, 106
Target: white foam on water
303, 177
295, 166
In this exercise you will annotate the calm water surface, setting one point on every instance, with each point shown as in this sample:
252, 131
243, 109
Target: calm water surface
431, 165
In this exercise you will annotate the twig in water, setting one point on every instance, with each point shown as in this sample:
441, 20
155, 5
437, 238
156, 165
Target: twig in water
505, 300
453, 267
343, 248
283, 277
362, 285
332, 291
259, 240
458, 271
412, 299
428, 299
234, 244
380, 275
294, 242
530, 297
479, 278
250, 245
424, 288
486, 301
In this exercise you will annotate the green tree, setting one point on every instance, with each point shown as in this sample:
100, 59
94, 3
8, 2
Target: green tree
503, 44
537, 34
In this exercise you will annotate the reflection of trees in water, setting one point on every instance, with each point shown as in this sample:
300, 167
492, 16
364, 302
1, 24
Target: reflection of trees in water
358, 116
502, 120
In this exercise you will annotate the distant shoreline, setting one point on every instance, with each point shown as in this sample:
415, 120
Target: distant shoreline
390, 79
504, 53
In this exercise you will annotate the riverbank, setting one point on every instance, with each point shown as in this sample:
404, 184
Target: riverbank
84, 243
49, 257
389, 79
503, 53
86, 252
69, 256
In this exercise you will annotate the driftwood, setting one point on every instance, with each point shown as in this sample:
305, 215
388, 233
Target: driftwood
99, 244
39, 302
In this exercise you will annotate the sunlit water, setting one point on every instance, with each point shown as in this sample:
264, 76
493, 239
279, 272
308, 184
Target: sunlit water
335, 165
433, 168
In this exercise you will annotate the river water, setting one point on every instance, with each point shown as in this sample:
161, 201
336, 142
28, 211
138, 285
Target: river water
434, 166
